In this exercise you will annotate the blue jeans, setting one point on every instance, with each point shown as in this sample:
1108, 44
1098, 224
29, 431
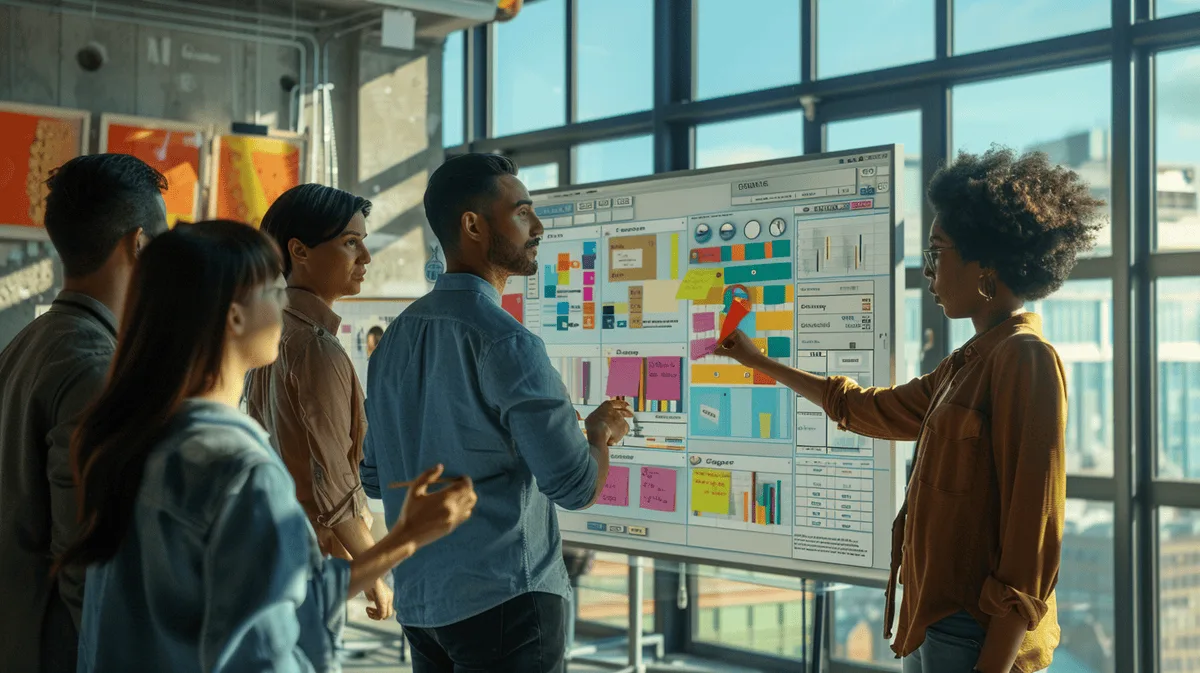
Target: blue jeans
524, 635
952, 645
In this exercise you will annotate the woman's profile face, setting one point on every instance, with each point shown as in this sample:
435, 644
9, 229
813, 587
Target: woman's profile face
953, 282
263, 311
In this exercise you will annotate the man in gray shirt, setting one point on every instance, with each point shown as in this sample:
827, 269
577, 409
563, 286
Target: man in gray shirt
100, 211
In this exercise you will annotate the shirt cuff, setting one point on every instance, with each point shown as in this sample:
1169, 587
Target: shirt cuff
998, 599
834, 400
352, 505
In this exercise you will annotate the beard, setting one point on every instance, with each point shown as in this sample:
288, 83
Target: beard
510, 257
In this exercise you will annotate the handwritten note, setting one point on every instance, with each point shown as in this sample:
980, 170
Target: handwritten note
697, 282
658, 489
660, 296
704, 322
710, 491
624, 377
662, 378
702, 347
616, 489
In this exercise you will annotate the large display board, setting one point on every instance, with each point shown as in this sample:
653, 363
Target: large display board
363, 324
724, 465
35, 140
175, 149
250, 172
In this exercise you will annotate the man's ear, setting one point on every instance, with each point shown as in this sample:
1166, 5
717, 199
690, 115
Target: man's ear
474, 227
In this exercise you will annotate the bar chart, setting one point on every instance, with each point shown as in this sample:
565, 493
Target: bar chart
741, 499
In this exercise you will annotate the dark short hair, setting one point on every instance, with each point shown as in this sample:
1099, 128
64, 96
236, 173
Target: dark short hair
1022, 216
311, 214
376, 330
464, 183
96, 200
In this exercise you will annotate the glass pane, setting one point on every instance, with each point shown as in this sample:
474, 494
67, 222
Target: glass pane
1077, 321
453, 90
614, 159
863, 35
1085, 589
988, 24
531, 70
858, 626
1179, 587
746, 46
746, 140
753, 616
538, 176
603, 592
1178, 332
904, 128
1178, 149
615, 57
1064, 113
30, 278
1164, 8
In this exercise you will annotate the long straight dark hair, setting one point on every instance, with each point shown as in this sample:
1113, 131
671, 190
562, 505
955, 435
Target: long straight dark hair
170, 348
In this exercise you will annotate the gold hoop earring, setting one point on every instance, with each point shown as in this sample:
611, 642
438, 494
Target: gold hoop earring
984, 291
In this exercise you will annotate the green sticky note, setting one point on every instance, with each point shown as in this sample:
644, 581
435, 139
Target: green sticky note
697, 282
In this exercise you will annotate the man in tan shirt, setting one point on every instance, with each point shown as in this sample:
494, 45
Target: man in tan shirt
310, 400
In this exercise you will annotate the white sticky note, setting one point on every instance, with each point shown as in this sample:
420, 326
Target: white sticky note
658, 296
710, 413
627, 259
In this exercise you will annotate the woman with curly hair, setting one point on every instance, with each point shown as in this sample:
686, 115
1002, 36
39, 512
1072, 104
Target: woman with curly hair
978, 541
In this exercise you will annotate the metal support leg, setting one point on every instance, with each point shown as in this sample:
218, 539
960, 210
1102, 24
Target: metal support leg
820, 613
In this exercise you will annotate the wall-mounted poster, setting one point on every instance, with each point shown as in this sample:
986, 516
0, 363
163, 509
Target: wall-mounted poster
174, 148
251, 172
34, 141
363, 324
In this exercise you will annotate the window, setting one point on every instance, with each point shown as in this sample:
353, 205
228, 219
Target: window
904, 128
453, 90
538, 176
1077, 321
1178, 350
747, 140
1064, 113
858, 626
1179, 588
864, 35
1177, 150
530, 66
745, 46
603, 594
614, 58
1163, 8
988, 24
1085, 588
753, 611
613, 159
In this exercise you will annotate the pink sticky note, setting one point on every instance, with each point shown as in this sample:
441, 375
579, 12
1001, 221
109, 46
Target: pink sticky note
704, 322
624, 377
589, 277
662, 378
658, 489
587, 293
616, 489
702, 347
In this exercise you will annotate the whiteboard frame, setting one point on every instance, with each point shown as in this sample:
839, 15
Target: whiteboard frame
872, 576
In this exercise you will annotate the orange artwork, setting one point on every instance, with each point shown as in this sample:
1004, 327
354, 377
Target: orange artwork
176, 154
31, 146
252, 172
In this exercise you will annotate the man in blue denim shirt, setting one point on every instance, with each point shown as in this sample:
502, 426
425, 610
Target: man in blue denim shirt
456, 380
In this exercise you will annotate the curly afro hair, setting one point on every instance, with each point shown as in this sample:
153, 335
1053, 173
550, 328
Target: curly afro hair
1020, 215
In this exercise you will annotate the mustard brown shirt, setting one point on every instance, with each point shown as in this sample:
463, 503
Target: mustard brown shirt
982, 524
311, 403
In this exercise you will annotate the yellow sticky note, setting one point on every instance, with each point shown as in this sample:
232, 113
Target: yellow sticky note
764, 426
658, 296
697, 282
564, 277
710, 491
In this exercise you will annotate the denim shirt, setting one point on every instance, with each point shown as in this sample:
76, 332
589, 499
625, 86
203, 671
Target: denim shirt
456, 380
219, 570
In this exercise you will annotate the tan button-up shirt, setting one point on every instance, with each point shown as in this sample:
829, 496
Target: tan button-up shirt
982, 526
311, 403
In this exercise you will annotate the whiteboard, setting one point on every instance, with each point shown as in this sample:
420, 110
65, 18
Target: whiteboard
724, 466
359, 317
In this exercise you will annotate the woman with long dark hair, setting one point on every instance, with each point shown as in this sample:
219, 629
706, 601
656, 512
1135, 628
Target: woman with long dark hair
978, 542
200, 558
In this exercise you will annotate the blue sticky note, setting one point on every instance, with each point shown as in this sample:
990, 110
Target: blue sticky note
564, 308
551, 291
609, 321
563, 320
589, 261
589, 248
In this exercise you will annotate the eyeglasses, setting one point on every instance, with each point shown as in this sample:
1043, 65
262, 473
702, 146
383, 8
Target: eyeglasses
931, 257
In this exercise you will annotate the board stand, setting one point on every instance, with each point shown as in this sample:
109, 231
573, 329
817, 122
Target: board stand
638, 640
